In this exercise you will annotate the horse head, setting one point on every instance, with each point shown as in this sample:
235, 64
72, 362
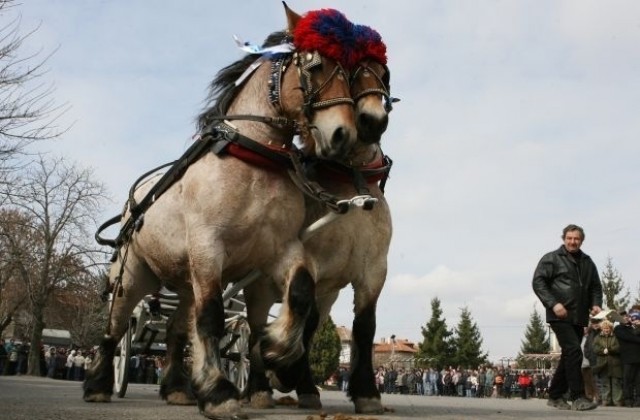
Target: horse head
328, 121
370, 92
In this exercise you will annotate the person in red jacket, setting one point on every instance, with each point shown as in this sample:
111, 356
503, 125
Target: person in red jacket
524, 381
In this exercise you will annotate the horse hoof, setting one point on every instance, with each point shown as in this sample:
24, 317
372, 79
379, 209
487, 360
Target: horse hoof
180, 398
99, 397
276, 383
228, 410
368, 406
261, 400
311, 401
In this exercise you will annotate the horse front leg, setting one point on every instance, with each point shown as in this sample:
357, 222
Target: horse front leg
362, 386
217, 397
175, 387
283, 343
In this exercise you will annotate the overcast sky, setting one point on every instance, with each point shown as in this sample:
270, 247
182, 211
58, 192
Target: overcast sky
517, 118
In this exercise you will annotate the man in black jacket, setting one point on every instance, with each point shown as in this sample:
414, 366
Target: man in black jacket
567, 283
628, 334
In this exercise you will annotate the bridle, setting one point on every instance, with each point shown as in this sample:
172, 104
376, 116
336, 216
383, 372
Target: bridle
383, 83
306, 62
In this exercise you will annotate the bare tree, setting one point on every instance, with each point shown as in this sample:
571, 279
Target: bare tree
12, 294
58, 202
28, 112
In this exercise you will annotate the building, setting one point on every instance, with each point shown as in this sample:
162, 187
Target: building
395, 352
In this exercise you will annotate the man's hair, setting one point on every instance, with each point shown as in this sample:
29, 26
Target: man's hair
571, 228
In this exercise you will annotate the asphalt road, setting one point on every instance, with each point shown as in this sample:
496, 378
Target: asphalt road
24, 397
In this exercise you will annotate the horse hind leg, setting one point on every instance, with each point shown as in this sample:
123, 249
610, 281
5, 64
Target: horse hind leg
175, 387
287, 338
308, 395
137, 281
259, 299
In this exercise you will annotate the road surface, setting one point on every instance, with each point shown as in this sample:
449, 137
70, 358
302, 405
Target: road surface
32, 398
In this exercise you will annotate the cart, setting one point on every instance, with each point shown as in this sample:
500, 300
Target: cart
147, 330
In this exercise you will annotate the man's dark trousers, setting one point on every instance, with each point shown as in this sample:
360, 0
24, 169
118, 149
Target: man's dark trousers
568, 374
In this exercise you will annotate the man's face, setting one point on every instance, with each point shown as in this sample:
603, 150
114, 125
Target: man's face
573, 240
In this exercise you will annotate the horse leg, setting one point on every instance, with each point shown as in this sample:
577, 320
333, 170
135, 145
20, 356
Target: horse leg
308, 395
362, 386
176, 385
259, 298
137, 281
217, 397
284, 341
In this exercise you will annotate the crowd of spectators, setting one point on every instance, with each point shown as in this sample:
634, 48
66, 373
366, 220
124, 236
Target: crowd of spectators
55, 362
71, 363
484, 382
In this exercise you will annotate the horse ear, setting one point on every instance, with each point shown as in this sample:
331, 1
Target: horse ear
292, 17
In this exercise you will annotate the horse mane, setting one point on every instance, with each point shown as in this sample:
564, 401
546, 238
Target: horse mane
222, 89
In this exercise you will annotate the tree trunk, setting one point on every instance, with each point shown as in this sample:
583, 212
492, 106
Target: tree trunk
33, 368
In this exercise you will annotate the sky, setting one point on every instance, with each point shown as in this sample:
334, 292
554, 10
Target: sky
516, 118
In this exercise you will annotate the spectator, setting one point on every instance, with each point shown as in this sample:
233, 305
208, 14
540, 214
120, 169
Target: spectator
567, 283
69, 365
628, 335
482, 378
78, 366
608, 365
61, 362
3, 358
592, 386
344, 378
12, 352
51, 362
524, 382
498, 381
380, 374
489, 382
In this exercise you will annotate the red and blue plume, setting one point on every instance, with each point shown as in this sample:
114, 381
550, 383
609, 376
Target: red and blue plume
331, 34
369, 43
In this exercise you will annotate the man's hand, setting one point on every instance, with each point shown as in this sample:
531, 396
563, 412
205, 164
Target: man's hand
595, 310
560, 310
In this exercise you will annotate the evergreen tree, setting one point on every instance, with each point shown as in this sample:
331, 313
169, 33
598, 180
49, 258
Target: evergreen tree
324, 356
615, 296
536, 340
536, 337
436, 346
467, 342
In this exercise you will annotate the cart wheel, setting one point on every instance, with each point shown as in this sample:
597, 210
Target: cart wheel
121, 362
236, 351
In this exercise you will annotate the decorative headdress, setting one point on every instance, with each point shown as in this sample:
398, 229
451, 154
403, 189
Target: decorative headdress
330, 33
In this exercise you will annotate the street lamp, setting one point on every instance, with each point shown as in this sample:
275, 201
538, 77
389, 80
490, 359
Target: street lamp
393, 348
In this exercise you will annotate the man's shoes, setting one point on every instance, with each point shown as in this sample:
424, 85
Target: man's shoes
583, 404
558, 403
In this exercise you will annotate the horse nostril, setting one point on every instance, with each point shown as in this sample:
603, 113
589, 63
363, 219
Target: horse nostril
340, 136
371, 127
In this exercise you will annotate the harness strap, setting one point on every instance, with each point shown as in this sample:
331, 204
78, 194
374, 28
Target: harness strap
378, 171
228, 140
312, 189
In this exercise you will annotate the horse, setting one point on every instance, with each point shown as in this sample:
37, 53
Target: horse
226, 207
351, 249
